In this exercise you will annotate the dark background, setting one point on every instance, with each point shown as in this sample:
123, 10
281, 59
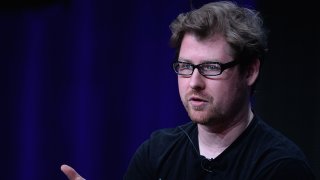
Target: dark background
85, 82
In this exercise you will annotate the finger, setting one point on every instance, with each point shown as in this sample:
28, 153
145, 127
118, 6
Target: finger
71, 173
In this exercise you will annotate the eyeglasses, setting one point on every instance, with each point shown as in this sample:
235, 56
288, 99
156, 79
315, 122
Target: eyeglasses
205, 69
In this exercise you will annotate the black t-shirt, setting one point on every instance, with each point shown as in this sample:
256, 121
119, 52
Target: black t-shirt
260, 152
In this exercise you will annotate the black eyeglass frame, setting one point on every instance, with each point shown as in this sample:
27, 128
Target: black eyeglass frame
223, 66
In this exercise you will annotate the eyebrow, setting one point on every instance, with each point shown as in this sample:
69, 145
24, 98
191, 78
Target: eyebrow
202, 61
184, 60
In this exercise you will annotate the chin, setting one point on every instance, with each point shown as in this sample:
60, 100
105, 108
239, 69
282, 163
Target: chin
199, 118
202, 122
205, 118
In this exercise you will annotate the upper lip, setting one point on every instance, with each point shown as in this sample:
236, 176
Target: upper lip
197, 98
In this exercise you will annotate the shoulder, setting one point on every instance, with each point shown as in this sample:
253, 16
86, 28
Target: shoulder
169, 136
277, 155
169, 133
148, 157
276, 142
163, 139
287, 168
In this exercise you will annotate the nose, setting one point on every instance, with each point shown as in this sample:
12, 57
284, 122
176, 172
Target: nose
197, 81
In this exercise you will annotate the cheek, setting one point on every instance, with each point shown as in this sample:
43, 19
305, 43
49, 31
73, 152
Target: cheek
217, 88
233, 92
182, 85
221, 91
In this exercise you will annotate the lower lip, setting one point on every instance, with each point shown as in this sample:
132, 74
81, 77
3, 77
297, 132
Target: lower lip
197, 104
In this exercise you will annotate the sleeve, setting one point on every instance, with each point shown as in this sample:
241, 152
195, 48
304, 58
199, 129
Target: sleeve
140, 166
292, 169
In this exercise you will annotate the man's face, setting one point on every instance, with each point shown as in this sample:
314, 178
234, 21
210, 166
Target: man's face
216, 99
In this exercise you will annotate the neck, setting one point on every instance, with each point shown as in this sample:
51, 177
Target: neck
213, 142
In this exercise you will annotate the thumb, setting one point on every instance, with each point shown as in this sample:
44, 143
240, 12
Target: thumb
70, 173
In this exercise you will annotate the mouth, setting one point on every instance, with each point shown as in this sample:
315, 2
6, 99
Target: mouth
197, 102
196, 98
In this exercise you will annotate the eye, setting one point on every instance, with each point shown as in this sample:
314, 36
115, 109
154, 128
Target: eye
185, 66
211, 67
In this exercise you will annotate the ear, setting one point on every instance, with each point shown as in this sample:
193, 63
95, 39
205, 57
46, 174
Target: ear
253, 72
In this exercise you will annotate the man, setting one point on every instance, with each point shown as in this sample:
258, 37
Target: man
219, 49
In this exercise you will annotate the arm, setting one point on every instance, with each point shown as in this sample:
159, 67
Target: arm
71, 173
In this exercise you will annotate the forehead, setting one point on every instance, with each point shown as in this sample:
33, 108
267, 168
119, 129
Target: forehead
198, 51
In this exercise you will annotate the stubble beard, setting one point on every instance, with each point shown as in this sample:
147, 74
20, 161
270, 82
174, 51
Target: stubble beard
211, 114
205, 115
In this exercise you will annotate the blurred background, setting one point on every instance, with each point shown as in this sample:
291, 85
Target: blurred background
85, 82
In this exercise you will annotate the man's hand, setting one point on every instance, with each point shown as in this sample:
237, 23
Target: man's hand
71, 173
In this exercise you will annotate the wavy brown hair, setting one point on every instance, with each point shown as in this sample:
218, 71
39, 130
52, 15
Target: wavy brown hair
241, 27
